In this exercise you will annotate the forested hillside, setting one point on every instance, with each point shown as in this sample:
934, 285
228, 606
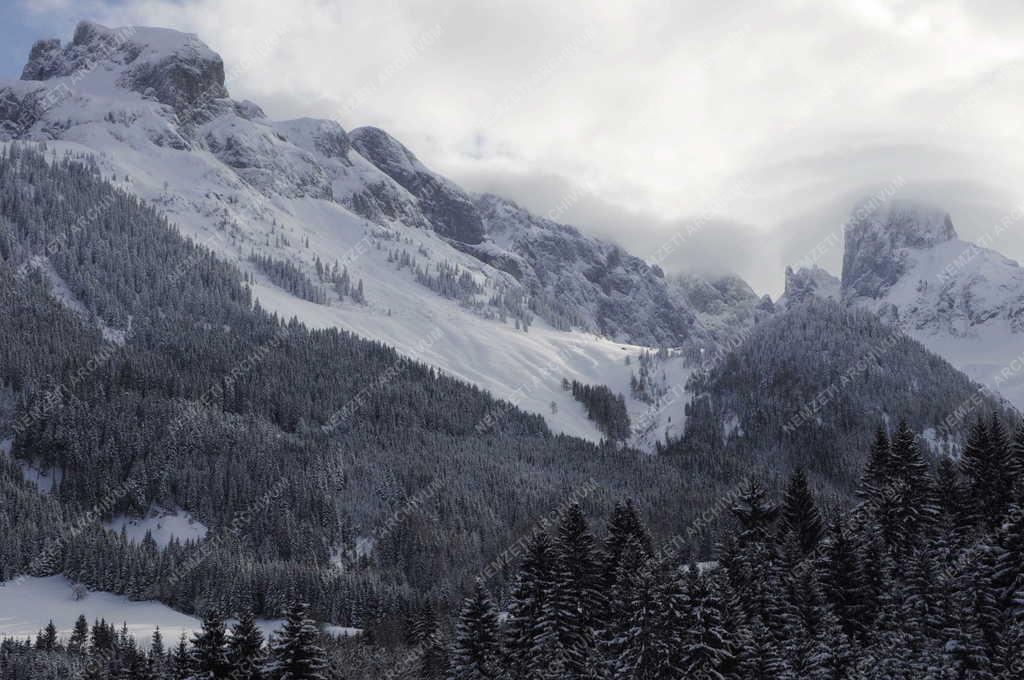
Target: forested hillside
801, 386
159, 381
923, 579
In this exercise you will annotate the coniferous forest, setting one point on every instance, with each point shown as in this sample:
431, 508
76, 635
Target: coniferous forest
819, 549
923, 578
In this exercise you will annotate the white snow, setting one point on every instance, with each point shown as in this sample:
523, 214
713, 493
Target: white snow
162, 524
341, 631
276, 192
27, 604
961, 302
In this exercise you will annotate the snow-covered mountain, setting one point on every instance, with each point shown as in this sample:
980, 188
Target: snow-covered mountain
807, 283
452, 279
965, 302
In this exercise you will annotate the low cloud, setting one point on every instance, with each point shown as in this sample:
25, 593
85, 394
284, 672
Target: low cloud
653, 106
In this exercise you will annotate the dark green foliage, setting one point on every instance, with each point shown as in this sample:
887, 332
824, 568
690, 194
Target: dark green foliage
804, 385
476, 647
801, 522
209, 654
605, 408
245, 648
288, 276
296, 653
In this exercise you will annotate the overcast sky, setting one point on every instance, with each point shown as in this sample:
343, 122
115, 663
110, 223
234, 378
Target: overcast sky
761, 121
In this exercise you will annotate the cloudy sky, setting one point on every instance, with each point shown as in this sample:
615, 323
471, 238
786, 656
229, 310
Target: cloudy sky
761, 122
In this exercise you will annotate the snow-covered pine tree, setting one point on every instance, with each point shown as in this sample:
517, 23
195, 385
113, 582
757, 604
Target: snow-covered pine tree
988, 469
623, 523
181, 661
156, 657
840, 578
434, 662
876, 472
572, 613
208, 654
245, 648
650, 643
476, 650
801, 522
46, 640
910, 504
295, 652
528, 653
755, 512
706, 647
79, 636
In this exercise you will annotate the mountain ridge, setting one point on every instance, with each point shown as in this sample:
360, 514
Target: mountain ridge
150, 104
905, 262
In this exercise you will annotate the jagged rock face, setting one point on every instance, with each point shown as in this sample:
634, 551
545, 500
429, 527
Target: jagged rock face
42, 62
137, 88
877, 239
596, 286
20, 108
449, 209
905, 263
174, 68
714, 296
324, 137
809, 283
724, 306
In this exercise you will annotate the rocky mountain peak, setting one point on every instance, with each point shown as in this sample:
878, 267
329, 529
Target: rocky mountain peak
175, 68
450, 210
809, 283
877, 240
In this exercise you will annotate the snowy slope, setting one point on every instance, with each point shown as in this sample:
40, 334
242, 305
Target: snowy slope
966, 304
161, 524
28, 604
151, 107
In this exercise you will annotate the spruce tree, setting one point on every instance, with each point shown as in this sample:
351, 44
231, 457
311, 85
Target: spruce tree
572, 613
1017, 461
245, 648
651, 639
910, 506
46, 640
79, 636
840, 583
156, 659
706, 648
525, 648
987, 464
476, 652
755, 512
801, 522
876, 472
156, 644
623, 523
434, 662
181, 660
209, 655
295, 653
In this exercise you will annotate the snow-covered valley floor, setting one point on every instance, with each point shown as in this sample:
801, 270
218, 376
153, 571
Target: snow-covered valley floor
27, 604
